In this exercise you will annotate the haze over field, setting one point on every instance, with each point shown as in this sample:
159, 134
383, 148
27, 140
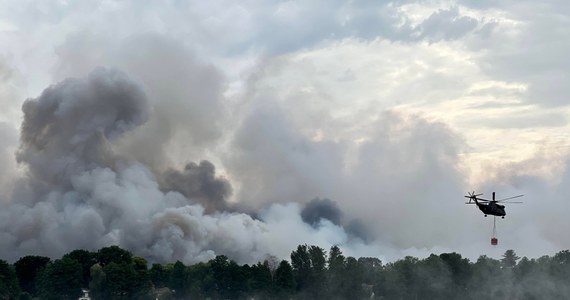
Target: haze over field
183, 130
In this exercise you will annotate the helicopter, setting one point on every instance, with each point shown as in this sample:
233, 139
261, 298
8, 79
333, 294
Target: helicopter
490, 207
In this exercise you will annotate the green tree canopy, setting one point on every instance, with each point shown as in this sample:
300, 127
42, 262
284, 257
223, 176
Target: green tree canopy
509, 259
86, 260
159, 275
284, 280
61, 279
261, 281
27, 270
114, 254
9, 287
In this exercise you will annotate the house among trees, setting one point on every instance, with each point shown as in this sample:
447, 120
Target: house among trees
85, 295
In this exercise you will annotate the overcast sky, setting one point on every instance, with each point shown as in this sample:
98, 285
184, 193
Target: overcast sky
391, 109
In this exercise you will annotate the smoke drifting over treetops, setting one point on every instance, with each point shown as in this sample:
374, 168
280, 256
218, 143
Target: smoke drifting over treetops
150, 159
79, 193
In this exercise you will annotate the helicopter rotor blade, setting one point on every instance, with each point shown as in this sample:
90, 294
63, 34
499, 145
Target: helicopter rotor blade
472, 194
473, 197
478, 199
510, 198
513, 202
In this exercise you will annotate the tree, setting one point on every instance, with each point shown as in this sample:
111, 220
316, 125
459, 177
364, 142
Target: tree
336, 260
460, 271
561, 264
317, 280
435, 278
260, 279
371, 267
119, 275
401, 279
284, 280
200, 282
27, 269
373, 274
301, 263
336, 272
177, 278
486, 273
61, 280
114, 254
509, 259
229, 277
9, 288
530, 278
142, 284
97, 286
86, 259
159, 275
353, 276
120, 280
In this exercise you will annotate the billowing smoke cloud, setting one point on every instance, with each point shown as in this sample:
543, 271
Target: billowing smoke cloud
199, 183
65, 131
8, 143
185, 93
78, 193
396, 181
318, 209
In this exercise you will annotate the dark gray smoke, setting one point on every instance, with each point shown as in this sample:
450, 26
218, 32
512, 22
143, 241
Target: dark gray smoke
78, 193
65, 130
318, 209
199, 184
358, 229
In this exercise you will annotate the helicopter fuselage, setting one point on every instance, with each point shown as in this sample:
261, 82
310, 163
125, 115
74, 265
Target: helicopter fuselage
492, 208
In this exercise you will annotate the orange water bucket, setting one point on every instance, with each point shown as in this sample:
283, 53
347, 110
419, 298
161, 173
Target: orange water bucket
494, 241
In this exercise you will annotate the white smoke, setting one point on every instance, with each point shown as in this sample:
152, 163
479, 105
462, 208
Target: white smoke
78, 193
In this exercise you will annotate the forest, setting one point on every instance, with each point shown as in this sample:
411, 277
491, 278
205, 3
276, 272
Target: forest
311, 273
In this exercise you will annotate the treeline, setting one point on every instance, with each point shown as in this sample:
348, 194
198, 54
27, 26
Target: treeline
311, 273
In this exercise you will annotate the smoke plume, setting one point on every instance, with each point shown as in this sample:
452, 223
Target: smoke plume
199, 182
318, 209
78, 193
65, 131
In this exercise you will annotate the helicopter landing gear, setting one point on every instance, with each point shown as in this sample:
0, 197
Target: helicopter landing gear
485, 215
502, 217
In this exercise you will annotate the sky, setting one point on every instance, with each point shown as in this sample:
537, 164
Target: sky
186, 129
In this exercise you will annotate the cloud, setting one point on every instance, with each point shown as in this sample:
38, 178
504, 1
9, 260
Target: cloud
446, 24
534, 120
530, 48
